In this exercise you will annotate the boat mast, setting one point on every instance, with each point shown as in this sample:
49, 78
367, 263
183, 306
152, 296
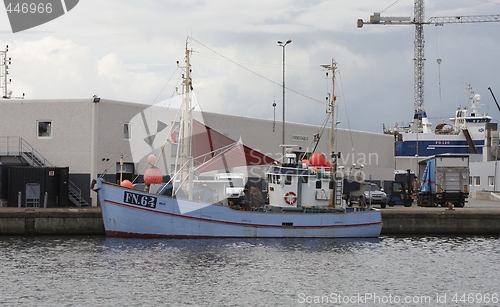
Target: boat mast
184, 154
331, 104
332, 108
333, 156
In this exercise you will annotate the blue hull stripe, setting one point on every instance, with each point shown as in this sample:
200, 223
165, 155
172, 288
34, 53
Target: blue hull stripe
429, 148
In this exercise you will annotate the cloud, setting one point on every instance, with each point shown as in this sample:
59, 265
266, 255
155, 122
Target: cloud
111, 67
127, 50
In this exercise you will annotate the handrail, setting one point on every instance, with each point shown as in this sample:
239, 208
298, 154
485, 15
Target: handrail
78, 192
75, 188
207, 157
17, 146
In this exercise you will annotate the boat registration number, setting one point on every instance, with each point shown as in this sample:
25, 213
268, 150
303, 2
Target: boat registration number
139, 199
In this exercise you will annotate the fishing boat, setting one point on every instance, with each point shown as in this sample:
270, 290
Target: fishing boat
463, 134
305, 196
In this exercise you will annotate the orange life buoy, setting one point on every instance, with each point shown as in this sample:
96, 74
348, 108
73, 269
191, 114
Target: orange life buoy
290, 198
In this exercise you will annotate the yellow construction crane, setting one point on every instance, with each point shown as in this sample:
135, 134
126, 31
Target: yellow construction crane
420, 123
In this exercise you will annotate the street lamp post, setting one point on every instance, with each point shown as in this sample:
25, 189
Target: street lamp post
282, 45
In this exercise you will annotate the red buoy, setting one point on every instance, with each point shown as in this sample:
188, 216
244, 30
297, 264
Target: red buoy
127, 184
317, 159
153, 175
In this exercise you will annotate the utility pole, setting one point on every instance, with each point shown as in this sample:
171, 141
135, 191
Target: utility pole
283, 45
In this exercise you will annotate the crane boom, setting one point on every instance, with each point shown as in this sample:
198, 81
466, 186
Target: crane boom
420, 123
463, 19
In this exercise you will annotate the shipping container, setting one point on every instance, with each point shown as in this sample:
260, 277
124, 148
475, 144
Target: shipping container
38, 186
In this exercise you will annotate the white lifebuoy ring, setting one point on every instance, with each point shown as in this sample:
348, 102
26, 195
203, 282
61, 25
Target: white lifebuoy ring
290, 198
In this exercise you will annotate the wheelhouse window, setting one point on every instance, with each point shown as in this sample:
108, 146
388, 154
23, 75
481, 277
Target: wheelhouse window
44, 129
127, 131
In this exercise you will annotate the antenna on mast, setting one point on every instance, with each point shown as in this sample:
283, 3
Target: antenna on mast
5, 61
4, 72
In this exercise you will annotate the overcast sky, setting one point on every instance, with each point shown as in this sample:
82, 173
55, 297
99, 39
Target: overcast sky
127, 50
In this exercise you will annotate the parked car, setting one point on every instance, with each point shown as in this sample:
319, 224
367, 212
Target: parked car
375, 195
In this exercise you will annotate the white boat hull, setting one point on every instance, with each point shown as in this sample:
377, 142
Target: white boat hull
132, 213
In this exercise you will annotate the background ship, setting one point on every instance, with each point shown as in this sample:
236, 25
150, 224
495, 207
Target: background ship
464, 134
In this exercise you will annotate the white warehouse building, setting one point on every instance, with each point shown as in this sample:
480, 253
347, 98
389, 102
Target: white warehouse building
91, 136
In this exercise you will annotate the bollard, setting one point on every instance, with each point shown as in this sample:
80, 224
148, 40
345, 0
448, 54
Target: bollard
45, 199
19, 199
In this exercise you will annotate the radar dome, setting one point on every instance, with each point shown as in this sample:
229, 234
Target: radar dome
477, 97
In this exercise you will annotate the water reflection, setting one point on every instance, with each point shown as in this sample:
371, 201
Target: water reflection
226, 272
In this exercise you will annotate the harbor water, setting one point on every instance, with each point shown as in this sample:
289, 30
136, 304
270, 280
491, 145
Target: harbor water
389, 271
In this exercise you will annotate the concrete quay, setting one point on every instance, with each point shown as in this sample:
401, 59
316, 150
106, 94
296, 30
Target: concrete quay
440, 221
480, 216
477, 218
51, 221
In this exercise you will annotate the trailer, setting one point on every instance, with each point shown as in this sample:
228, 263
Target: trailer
445, 181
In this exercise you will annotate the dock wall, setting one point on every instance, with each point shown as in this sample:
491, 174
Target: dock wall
408, 221
51, 221
440, 221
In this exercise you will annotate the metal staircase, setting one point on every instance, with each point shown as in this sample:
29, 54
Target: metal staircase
18, 147
75, 195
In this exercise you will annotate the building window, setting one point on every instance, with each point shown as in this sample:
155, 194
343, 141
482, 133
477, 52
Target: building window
44, 129
477, 180
491, 181
127, 131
